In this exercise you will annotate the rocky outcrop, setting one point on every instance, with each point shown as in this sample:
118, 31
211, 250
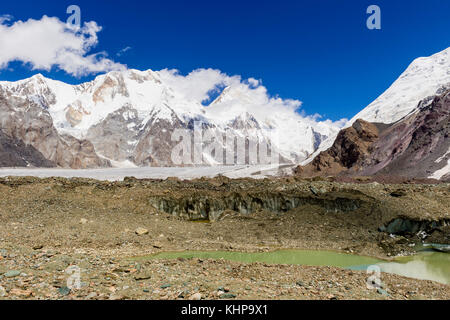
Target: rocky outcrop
352, 145
117, 135
15, 153
25, 120
417, 146
405, 226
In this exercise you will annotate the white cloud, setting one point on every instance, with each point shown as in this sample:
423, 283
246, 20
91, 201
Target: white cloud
199, 83
49, 42
238, 97
5, 18
123, 51
242, 96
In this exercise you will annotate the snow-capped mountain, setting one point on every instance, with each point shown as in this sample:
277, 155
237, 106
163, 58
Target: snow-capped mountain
128, 118
425, 78
417, 146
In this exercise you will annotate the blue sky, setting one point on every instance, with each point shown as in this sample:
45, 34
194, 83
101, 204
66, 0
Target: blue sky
319, 52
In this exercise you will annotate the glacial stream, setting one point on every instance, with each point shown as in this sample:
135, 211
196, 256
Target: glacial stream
425, 265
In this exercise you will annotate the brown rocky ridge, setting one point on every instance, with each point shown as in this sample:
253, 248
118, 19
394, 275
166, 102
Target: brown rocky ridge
414, 147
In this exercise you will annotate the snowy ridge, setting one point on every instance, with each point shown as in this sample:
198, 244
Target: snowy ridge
154, 97
424, 78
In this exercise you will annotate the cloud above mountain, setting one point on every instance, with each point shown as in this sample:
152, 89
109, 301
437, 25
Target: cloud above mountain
48, 43
198, 84
235, 96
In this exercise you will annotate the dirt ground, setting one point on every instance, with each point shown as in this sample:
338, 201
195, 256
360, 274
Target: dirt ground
49, 225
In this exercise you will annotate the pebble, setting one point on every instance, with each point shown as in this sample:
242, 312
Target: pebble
12, 274
141, 231
196, 296
2, 291
382, 292
19, 292
91, 295
64, 291
142, 276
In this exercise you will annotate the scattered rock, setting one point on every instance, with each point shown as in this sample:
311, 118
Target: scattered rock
141, 231
196, 296
21, 293
64, 291
383, 292
91, 295
142, 276
157, 245
12, 274
314, 190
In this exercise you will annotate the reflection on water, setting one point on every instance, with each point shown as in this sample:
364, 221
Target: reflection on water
425, 265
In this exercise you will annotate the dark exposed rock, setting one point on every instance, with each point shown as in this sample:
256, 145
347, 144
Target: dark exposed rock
25, 120
200, 207
15, 153
405, 226
351, 145
414, 147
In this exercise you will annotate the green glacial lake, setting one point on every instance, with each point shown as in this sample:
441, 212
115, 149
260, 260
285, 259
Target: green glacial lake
424, 265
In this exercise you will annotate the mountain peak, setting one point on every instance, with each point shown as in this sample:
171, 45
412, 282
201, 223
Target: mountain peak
423, 78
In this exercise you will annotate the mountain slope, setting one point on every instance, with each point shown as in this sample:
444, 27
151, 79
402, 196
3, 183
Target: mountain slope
417, 146
14, 153
25, 120
423, 79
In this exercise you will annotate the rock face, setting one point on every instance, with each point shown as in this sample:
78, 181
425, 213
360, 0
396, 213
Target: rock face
211, 208
424, 78
15, 153
352, 145
417, 146
26, 121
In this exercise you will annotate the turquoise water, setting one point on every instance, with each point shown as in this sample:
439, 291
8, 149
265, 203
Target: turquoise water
424, 265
